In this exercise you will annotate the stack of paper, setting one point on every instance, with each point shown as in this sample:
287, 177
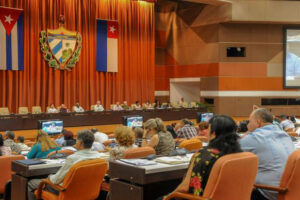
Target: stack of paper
138, 162
173, 160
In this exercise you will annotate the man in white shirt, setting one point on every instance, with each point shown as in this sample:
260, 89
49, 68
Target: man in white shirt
286, 124
83, 144
98, 107
78, 108
52, 109
117, 107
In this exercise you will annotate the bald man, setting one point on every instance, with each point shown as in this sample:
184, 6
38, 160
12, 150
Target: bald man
272, 146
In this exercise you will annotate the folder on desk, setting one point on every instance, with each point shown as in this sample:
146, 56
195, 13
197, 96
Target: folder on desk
31, 162
138, 162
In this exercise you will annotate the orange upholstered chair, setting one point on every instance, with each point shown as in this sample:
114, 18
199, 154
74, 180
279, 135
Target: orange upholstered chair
83, 181
202, 138
65, 151
191, 144
140, 152
234, 171
290, 181
5, 169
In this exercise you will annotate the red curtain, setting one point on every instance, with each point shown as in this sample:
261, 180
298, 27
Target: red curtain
41, 85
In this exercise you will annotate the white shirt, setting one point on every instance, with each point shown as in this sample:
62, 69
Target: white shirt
85, 154
97, 146
78, 109
100, 137
98, 108
287, 124
117, 107
52, 110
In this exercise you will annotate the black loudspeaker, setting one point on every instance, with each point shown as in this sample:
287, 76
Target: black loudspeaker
236, 51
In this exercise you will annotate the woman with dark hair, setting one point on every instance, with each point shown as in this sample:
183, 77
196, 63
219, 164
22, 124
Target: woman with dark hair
223, 141
4, 151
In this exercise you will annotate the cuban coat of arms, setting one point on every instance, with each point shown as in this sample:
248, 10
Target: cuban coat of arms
61, 48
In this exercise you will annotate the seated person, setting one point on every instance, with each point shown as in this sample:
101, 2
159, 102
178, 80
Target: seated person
286, 124
4, 151
137, 106
43, 146
52, 109
138, 135
117, 107
125, 105
242, 126
222, 130
160, 139
78, 108
85, 139
203, 129
9, 142
148, 105
181, 102
20, 140
185, 129
101, 137
157, 104
60, 140
170, 128
63, 109
98, 107
125, 140
68, 139
272, 147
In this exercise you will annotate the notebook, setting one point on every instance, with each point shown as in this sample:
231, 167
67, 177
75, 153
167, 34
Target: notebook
31, 162
138, 162
173, 160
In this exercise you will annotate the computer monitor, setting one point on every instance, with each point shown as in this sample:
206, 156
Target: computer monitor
204, 117
51, 127
133, 121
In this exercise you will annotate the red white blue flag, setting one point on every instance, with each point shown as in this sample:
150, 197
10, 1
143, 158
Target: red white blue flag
11, 39
107, 46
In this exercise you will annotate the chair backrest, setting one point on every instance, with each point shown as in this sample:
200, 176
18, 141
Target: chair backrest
291, 177
202, 138
112, 106
4, 111
36, 110
23, 110
174, 104
92, 107
65, 151
191, 144
185, 104
84, 179
193, 104
140, 152
133, 106
232, 177
5, 169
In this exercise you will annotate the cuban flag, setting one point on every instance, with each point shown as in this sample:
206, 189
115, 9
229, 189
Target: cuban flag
107, 46
11, 39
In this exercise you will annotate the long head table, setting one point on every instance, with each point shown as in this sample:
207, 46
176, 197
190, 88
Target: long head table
27, 122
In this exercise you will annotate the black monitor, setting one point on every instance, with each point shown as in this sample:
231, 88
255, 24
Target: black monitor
51, 127
204, 117
133, 121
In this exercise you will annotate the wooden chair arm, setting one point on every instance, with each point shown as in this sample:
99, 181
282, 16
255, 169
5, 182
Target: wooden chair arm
269, 187
45, 182
184, 196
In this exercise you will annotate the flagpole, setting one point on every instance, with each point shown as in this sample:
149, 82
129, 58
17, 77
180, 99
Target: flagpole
12, 8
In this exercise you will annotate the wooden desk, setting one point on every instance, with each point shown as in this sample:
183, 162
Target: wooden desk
129, 182
23, 173
28, 122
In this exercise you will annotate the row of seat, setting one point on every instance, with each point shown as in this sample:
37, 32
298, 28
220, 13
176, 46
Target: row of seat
38, 109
